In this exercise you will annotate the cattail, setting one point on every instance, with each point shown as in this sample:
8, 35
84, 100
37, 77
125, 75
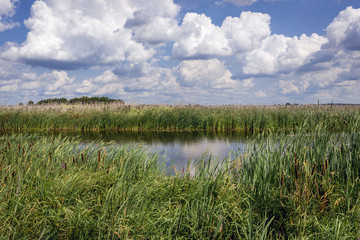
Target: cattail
82, 157
282, 180
99, 156
313, 169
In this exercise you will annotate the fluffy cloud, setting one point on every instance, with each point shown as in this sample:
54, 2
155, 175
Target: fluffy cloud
7, 10
210, 64
22, 84
246, 32
333, 72
155, 83
71, 34
152, 29
344, 31
288, 86
196, 81
200, 38
209, 74
105, 84
278, 53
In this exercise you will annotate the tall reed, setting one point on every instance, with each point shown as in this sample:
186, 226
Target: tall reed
283, 187
95, 118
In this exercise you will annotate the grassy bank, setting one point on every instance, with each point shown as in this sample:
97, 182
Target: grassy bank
290, 187
117, 117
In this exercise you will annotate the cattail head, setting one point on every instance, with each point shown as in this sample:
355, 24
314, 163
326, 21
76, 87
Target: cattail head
296, 171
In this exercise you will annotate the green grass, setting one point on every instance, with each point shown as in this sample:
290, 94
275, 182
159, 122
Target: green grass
297, 186
115, 117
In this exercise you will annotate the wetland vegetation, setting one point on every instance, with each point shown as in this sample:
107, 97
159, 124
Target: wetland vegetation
120, 117
300, 185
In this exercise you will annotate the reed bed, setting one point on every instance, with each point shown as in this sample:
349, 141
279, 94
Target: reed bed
118, 117
297, 186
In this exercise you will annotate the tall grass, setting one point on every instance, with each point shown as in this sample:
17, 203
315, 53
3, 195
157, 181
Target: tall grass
95, 118
283, 187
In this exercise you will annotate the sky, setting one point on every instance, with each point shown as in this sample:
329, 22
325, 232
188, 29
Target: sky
210, 52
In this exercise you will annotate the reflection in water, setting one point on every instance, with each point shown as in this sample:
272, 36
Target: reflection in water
179, 147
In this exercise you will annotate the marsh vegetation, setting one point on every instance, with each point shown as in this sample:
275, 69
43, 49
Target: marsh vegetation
298, 179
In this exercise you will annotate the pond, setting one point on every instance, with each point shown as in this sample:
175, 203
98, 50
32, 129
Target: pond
178, 148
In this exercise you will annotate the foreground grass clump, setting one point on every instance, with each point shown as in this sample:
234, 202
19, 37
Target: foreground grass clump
119, 117
293, 187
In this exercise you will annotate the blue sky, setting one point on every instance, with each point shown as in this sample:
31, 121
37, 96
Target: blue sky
181, 51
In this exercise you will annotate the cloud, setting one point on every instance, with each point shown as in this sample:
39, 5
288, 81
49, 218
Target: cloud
195, 81
334, 69
261, 94
21, 83
200, 38
278, 53
132, 70
154, 83
239, 61
246, 32
104, 84
288, 87
209, 74
344, 31
73, 34
7, 10
153, 29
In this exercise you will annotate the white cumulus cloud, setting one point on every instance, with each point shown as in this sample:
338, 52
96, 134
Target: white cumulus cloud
278, 53
200, 38
209, 74
246, 32
344, 31
71, 34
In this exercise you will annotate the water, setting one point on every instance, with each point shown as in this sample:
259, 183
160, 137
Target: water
179, 148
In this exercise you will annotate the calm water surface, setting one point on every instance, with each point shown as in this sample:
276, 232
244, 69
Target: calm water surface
178, 148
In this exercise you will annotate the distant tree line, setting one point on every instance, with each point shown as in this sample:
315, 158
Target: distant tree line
81, 100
